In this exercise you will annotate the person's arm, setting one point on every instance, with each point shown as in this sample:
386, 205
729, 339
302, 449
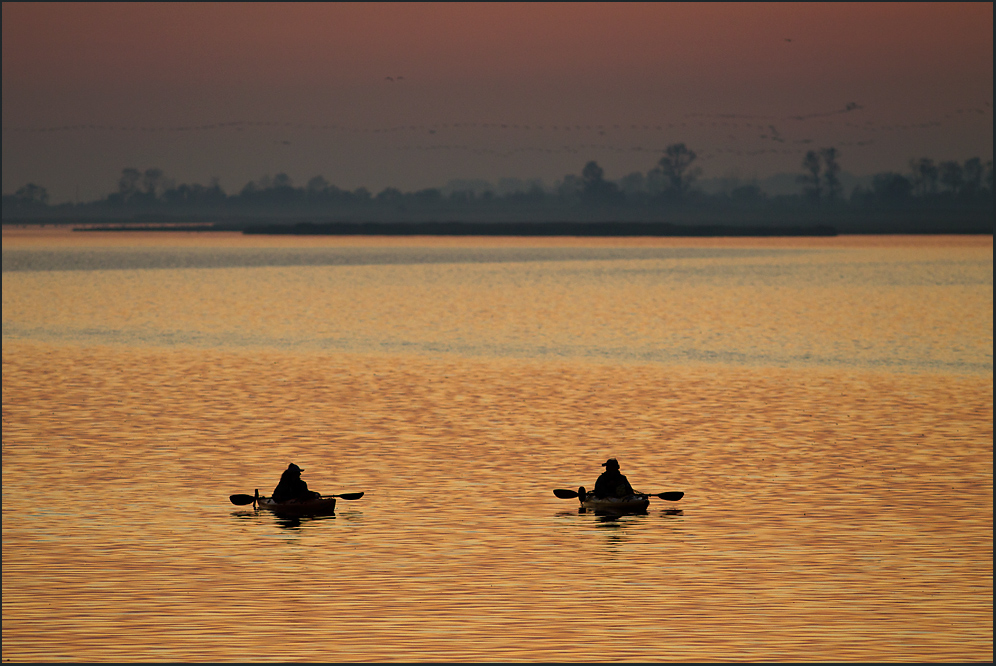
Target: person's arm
600, 487
308, 494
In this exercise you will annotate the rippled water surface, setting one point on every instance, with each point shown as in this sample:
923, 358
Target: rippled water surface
825, 405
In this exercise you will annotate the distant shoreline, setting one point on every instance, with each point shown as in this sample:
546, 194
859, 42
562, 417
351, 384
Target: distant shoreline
518, 229
980, 222
589, 229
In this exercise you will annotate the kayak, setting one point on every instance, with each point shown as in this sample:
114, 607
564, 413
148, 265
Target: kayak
628, 504
323, 506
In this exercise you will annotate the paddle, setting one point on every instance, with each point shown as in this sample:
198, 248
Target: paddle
347, 496
670, 497
242, 500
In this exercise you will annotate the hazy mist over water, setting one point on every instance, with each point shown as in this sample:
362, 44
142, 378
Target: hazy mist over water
825, 405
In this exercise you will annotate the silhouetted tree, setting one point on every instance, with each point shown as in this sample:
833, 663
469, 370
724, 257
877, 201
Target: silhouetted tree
973, 176
811, 179
151, 181
128, 182
389, 194
831, 171
267, 191
676, 169
952, 176
317, 184
592, 175
31, 194
925, 175
594, 187
570, 188
891, 187
195, 195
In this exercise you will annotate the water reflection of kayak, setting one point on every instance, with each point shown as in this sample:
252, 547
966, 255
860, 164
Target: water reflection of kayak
323, 506
628, 504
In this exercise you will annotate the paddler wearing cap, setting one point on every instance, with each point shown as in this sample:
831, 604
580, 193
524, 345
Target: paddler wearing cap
611, 483
292, 487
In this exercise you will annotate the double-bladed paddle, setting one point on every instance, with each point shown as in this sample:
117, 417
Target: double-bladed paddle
673, 496
242, 500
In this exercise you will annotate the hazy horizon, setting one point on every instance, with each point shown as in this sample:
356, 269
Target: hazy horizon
413, 96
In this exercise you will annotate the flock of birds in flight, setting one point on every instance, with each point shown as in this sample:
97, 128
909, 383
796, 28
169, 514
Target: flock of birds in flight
762, 128
720, 126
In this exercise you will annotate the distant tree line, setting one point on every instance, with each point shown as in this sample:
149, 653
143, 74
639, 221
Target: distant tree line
668, 185
944, 181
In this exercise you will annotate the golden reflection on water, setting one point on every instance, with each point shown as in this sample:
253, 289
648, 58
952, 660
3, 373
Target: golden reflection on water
829, 513
829, 303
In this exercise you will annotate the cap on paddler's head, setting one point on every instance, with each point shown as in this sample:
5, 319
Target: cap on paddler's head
294, 468
611, 463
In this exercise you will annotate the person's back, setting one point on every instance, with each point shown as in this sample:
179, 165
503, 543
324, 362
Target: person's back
611, 483
292, 486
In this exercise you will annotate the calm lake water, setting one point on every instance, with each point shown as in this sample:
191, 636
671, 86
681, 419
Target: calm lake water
826, 405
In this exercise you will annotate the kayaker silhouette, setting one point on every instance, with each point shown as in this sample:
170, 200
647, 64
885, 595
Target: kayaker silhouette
611, 483
292, 486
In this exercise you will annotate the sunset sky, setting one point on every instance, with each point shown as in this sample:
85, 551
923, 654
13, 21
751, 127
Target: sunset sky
413, 95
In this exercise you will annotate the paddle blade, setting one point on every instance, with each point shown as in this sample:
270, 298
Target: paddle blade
241, 500
672, 496
565, 494
349, 496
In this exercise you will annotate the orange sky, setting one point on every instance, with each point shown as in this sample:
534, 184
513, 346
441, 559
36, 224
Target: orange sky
921, 76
